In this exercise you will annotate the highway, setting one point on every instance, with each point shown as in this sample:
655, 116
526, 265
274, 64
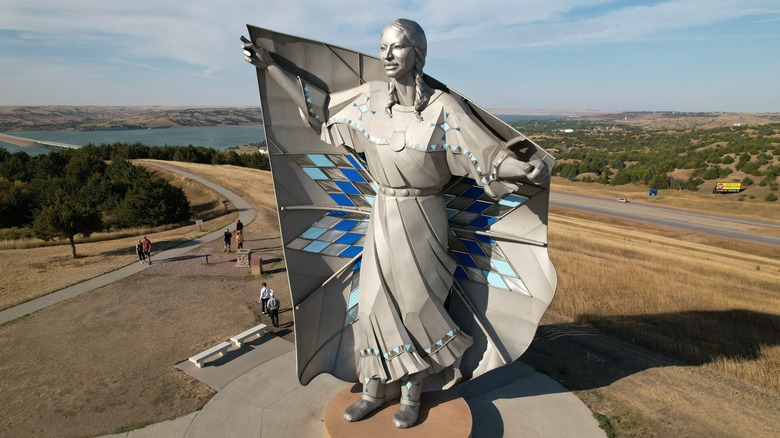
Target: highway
726, 226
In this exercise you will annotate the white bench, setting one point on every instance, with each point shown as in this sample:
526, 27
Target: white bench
219, 349
256, 331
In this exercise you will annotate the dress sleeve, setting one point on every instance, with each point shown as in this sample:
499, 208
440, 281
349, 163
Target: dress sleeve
474, 151
322, 106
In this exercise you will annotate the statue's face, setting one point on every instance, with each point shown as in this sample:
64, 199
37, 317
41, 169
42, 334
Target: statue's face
396, 53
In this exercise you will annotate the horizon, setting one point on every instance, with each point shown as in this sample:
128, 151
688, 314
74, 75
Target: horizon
572, 55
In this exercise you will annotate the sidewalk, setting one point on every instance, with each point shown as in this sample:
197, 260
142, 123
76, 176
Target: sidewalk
259, 396
245, 213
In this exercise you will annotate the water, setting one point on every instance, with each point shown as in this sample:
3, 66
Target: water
217, 137
509, 118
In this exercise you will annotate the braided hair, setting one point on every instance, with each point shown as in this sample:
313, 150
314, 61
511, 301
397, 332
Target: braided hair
416, 36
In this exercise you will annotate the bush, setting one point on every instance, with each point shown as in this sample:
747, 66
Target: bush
771, 197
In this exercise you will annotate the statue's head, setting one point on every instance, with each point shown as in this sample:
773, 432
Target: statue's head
412, 46
403, 47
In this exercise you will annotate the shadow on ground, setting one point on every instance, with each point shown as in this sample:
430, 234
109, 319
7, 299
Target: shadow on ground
586, 356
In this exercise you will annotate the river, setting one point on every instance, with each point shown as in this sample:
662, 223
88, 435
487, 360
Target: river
217, 137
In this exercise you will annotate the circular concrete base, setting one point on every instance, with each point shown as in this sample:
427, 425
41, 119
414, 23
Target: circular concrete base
441, 414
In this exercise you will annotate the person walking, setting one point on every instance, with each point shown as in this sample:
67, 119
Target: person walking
273, 309
239, 227
147, 247
265, 295
239, 240
228, 237
139, 249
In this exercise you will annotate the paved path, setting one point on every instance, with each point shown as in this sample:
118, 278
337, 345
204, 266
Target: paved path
259, 396
245, 213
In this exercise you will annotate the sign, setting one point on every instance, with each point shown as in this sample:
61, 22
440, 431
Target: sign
653, 192
728, 187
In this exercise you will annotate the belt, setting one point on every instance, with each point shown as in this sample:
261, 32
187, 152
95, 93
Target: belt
389, 191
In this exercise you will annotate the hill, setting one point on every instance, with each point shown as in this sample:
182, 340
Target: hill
93, 118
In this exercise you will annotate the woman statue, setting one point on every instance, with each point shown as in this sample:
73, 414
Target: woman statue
414, 139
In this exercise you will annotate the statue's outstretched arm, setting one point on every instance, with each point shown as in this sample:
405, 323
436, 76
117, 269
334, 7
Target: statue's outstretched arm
511, 168
261, 58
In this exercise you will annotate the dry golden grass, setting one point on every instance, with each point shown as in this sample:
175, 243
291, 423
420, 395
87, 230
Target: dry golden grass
699, 302
34, 272
255, 186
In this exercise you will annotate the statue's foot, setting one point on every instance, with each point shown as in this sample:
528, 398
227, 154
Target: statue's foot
406, 416
360, 409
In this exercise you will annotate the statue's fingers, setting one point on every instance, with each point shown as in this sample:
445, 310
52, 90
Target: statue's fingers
244, 40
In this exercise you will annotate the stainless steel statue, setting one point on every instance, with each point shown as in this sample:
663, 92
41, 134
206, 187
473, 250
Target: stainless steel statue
423, 225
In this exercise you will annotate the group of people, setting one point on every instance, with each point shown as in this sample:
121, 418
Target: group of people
269, 304
228, 237
144, 250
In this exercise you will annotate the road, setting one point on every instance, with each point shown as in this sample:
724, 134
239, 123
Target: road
726, 226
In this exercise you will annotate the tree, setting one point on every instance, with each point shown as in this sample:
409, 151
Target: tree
64, 216
16, 203
152, 202
85, 163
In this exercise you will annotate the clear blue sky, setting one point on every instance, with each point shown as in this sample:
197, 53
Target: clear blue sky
673, 55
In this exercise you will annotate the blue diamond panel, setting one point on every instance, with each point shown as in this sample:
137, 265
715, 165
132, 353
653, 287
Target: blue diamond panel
337, 233
469, 206
480, 260
343, 177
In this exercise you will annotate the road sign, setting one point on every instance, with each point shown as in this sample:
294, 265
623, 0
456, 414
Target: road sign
653, 192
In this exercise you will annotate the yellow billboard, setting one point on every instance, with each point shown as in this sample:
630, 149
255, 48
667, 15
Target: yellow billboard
728, 187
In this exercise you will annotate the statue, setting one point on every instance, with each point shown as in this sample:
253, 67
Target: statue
417, 138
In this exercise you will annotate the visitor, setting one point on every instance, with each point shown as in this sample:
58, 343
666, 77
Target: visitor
139, 249
273, 309
228, 237
147, 247
265, 294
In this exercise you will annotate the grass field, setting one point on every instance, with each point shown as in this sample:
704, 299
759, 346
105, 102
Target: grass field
698, 302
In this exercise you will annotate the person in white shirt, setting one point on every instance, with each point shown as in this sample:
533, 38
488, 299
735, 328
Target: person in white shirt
265, 294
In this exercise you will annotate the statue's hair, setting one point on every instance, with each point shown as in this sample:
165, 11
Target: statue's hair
416, 36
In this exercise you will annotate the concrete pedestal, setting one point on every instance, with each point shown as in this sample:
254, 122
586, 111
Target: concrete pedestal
441, 414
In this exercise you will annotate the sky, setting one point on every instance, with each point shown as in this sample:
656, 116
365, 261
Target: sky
667, 55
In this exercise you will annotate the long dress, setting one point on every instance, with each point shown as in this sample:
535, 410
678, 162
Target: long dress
406, 273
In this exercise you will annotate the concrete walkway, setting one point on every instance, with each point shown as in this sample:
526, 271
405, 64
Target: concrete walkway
259, 396
245, 212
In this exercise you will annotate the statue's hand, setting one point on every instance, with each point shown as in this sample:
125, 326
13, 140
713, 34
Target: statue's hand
535, 170
256, 55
